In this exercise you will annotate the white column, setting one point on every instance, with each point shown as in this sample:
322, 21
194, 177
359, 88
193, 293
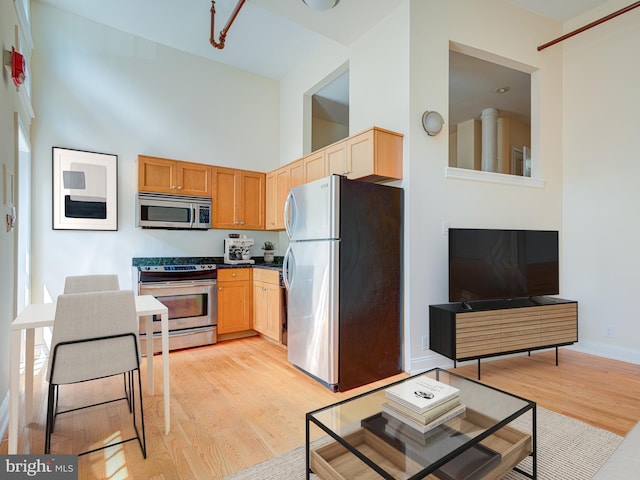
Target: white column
489, 139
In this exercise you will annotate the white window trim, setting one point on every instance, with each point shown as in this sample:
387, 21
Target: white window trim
25, 27
492, 177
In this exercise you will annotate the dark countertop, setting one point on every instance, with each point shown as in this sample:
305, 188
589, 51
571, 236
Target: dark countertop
266, 266
218, 261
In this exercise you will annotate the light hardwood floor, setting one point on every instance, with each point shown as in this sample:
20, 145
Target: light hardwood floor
240, 402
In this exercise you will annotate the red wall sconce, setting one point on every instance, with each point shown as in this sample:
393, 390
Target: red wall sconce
15, 62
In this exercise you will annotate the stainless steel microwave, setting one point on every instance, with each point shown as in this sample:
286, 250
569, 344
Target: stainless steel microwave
182, 212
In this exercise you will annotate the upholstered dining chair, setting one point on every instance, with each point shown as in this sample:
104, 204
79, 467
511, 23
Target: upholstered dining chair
95, 336
91, 283
99, 282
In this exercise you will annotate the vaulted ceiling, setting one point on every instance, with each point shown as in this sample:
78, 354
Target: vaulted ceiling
269, 37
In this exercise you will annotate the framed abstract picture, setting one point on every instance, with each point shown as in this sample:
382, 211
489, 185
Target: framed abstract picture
85, 190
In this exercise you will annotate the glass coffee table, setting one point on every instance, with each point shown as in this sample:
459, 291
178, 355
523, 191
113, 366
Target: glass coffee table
367, 443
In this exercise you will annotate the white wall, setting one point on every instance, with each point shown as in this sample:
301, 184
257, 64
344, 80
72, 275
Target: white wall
102, 90
497, 28
601, 196
295, 98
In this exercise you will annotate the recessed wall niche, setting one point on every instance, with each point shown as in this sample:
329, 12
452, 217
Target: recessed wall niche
489, 116
330, 112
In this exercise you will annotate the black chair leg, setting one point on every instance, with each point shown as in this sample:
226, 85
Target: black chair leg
128, 389
55, 407
50, 417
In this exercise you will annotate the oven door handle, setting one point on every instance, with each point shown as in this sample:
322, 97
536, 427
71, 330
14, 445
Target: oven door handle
163, 285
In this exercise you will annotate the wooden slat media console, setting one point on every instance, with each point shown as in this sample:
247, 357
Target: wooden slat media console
501, 327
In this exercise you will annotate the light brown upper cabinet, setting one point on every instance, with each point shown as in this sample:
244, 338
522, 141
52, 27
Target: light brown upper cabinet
162, 175
271, 200
278, 186
336, 156
279, 182
297, 173
374, 155
239, 199
315, 166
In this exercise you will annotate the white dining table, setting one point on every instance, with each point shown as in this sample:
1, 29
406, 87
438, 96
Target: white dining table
38, 315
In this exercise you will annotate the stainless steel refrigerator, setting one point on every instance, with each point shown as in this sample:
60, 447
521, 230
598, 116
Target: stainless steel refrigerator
342, 271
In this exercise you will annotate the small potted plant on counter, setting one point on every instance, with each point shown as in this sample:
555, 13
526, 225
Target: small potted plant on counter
269, 250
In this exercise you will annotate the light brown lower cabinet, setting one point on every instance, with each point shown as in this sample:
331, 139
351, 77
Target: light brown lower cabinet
235, 300
267, 303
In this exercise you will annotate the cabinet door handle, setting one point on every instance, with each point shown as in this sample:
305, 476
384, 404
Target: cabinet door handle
173, 186
346, 172
179, 187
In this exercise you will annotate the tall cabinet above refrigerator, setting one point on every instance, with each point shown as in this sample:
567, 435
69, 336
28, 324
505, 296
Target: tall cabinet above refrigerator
343, 274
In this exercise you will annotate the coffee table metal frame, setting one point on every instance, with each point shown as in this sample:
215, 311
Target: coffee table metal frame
528, 406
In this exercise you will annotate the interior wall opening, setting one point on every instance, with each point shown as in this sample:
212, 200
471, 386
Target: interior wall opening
489, 115
330, 110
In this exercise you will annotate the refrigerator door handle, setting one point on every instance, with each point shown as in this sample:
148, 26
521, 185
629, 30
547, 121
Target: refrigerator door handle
289, 214
288, 260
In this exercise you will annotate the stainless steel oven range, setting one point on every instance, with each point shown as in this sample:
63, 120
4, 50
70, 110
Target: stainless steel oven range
190, 293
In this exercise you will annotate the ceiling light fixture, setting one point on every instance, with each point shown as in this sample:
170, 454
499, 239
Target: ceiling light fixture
321, 4
223, 32
502, 89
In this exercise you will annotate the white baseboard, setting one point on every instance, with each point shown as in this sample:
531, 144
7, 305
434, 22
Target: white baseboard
4, 416
623, 354
614, 352
431, 360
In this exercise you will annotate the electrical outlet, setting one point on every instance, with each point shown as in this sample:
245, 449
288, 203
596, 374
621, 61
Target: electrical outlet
608, 332
425, 342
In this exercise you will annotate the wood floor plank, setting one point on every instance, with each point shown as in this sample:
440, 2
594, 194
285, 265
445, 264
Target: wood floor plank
241, 402
592, 389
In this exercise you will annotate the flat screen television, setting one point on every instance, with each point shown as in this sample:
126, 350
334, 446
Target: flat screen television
489, 264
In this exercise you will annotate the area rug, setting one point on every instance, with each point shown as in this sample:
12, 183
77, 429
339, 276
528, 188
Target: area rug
567, 449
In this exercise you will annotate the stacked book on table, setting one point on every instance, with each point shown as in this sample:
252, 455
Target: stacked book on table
421, 403
413, 420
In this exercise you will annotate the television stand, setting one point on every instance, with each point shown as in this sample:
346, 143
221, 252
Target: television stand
501, 327
541, 300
